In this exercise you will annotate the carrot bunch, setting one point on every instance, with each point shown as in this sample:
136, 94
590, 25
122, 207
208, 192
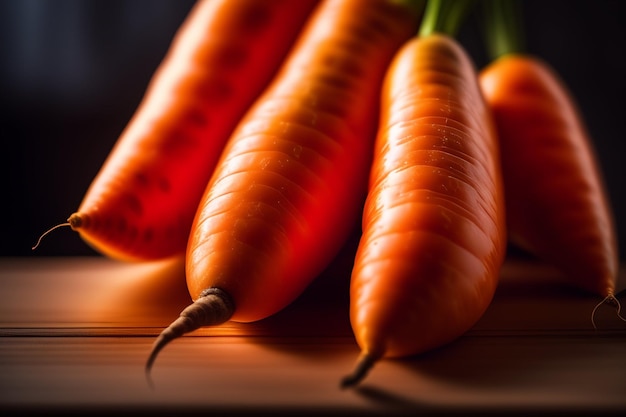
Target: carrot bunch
273, 127
465, 162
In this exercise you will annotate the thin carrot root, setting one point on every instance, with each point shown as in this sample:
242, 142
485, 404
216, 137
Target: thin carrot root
612, 301
213, 307
365, 362
75, 221
47, 232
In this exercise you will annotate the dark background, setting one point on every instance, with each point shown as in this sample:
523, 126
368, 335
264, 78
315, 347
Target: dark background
73, 71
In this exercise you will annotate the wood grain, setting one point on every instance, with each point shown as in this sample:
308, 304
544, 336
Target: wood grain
75, 334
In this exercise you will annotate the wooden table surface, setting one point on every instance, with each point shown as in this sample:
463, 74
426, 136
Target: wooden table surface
75, 334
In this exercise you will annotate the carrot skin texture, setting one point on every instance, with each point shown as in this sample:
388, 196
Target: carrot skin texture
292, 179
141, 204
433, 223
557, 205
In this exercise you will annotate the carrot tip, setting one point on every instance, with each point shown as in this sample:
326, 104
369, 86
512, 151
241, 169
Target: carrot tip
214, 307
76, 220
363, 366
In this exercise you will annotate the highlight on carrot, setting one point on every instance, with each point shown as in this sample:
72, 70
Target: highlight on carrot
290, 184
141, 204
557, 205
434, 234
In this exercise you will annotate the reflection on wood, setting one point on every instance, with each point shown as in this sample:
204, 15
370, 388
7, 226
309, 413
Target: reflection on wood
75, 332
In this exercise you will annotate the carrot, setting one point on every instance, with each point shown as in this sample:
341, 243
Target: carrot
557, 205
142, 202
434, 235
291, 182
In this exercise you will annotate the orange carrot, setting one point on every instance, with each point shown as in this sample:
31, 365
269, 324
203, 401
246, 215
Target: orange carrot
557, 205
434, 236
291, 181
142, 202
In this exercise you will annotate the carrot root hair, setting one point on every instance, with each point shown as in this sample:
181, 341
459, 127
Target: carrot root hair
47, 232
612, 301
75, 221
214, 306
364, 364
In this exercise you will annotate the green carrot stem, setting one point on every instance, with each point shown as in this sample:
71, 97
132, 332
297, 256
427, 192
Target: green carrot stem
503, 26
444, 16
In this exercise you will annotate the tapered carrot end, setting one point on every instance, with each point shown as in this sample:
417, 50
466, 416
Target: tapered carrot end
214, 307
76, 220
365, 362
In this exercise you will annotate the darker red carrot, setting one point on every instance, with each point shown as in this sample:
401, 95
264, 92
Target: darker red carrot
557, 205
291, 182
433, 225
142, 202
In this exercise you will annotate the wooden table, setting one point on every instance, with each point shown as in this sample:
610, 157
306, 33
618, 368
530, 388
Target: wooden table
75, 334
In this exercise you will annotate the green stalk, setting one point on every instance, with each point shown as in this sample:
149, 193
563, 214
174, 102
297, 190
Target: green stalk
503, 26
444, 16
